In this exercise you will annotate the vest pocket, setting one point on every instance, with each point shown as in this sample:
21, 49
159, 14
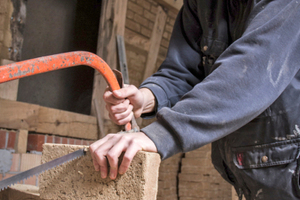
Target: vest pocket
270, 170
266, 155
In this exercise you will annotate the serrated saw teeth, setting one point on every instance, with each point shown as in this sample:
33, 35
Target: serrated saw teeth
40, 169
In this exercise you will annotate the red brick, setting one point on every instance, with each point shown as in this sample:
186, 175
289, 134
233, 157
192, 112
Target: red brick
31, 181
15, 166
11, 140
57, 140
35, 142
64, 140
29, 161
50, 139
71, 141
78, 142
2, 139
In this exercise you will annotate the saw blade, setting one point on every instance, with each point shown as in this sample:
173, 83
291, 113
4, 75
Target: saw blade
41, 168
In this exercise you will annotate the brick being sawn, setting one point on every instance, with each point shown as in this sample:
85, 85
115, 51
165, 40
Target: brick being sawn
77, 179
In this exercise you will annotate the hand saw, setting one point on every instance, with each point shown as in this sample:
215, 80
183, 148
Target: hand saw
50, 63
41, 168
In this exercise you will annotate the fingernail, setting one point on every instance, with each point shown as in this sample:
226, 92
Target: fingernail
118, 93
103, 175
112, 176
121, 171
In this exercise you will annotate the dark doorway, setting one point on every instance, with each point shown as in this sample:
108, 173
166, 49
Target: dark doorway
53, 27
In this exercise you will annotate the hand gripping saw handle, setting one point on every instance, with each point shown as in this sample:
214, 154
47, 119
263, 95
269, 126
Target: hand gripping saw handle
60, 61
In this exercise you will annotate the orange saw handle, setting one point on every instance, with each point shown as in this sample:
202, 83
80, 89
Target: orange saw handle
59, 61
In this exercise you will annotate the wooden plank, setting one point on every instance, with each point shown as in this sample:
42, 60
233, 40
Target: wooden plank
171, 4
19, 115
155, 40
65, 123
9, 90
21, 141
112, 23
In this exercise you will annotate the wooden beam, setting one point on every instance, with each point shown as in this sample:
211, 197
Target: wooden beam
65, 123
171, 4
9, 90
155, 40
112, 23
19, 115
21, 141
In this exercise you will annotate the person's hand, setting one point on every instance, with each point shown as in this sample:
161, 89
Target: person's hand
121, 104
108, 150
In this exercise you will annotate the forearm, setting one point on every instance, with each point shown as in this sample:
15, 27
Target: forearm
149, 100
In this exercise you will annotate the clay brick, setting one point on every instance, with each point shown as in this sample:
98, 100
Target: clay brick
84, 142
71, 141
15, 166
171, 22
35, 142
153, 9
149, 15
139, 182
146, 32
78, 142
31, 181
29, 161
130, 14
133, 25
64, 140
50, 139
135, 8
2, 139
11, 140
141, 20
144, 4
57, 140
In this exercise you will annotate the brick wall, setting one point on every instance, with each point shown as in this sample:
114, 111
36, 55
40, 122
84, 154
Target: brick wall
179, 176
140, 20
141, 15
24, 161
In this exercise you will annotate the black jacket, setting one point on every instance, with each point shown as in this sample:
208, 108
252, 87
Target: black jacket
231, 77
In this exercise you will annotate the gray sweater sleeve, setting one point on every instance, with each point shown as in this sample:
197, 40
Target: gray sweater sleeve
247, 78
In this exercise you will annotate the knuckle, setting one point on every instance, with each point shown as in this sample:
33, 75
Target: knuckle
92, 148
112, 157
134, 142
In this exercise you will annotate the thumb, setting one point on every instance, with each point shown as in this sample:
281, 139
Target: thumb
118, 94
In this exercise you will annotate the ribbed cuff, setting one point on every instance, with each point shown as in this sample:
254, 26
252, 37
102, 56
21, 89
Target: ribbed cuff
162, 137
